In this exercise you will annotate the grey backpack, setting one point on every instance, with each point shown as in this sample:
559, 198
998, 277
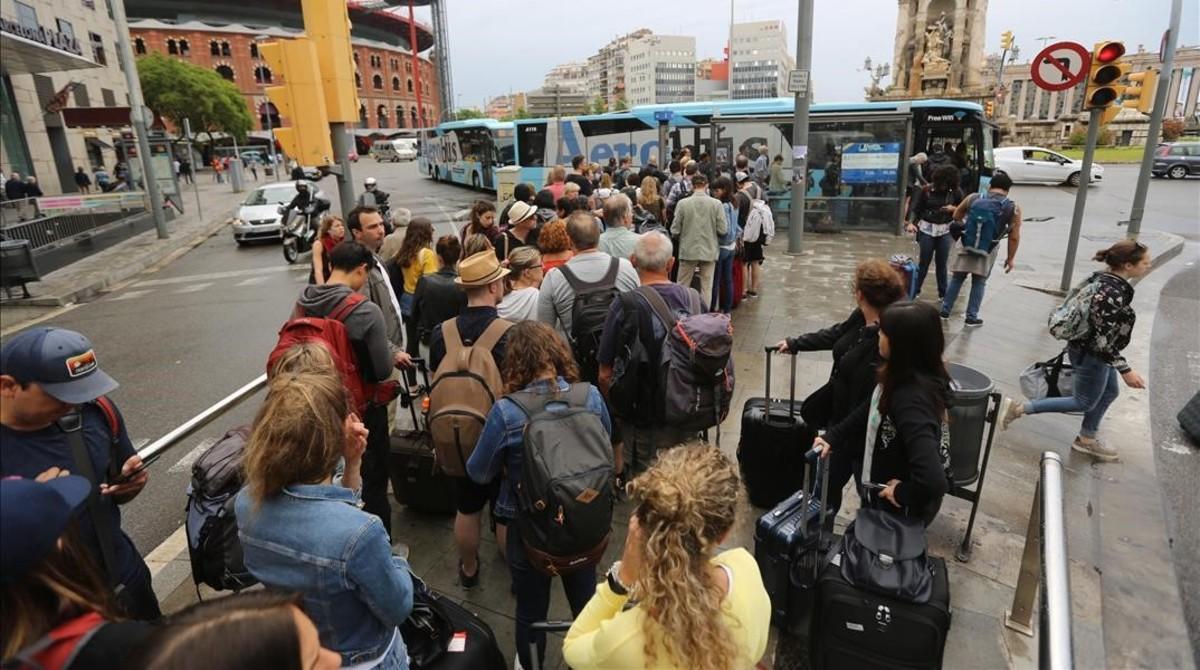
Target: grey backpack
214, 548
696, 365
1071, 321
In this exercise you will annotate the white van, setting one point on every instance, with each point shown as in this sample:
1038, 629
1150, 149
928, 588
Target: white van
402, 149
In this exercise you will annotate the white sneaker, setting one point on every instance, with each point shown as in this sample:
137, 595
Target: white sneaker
1010, 410
1096, 450
517, 662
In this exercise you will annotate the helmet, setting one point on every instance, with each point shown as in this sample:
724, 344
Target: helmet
301, 186
369, 183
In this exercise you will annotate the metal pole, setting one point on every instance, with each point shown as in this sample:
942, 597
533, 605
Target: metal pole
1019, 616
1055, 646
138, 119
271, 138
1156, 116
187, 133
156, 448
340, 134
729, 74
804, 25
662, 145
558, 123
1085, 180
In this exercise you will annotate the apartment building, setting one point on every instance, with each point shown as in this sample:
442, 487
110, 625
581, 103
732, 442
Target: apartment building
661, 69
761, 60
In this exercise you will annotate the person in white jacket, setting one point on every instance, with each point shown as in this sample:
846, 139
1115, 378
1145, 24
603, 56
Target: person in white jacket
524, 280
758, 232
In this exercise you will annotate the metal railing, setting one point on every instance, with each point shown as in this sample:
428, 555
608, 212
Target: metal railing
157, 448
1044, 570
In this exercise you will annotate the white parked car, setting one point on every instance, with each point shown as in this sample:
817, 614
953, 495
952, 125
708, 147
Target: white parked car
402, 149
258, 215
1038, 165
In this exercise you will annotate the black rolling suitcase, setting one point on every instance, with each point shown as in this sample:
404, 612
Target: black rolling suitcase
854, 628
789, 549
772, 446
441, 634
417, 481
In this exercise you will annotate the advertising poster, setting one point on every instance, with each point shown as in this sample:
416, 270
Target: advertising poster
870, 163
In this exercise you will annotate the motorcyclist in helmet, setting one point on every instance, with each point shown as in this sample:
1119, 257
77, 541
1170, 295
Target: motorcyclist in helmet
306, 203
371, 191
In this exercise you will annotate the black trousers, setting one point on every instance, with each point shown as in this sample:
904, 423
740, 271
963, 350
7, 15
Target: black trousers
136, 598
375, 466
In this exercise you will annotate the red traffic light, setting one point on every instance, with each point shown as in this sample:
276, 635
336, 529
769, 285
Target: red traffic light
1110, 52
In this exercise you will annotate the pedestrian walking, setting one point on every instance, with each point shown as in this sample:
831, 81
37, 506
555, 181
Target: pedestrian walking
438, 297
674, 600
218, 170
1095, 353
301, 530
14, 187
930, 220
254, 168
905, 420
83, 181
185, 170
699, 223
540, 376
525, 278
103, 179
32, 190
836, 407
56, 416
994, 208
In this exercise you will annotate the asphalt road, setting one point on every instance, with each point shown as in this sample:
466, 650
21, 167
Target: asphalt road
181, 339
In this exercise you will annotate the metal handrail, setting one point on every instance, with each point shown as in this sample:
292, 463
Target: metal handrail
1044, 569
157, 448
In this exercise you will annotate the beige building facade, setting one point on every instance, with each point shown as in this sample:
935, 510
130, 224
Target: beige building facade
62, 90
939, 49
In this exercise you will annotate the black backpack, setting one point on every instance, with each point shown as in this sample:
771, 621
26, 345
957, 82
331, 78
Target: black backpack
213, 545
588, 313
644, 220
565, 494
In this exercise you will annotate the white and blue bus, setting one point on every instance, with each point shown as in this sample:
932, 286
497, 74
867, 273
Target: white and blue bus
466, 152
857, 152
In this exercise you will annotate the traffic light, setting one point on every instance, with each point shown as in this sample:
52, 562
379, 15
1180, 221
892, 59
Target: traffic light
989, 107
1107, 69
1139, 94
299, 100
1006, 40
328, 25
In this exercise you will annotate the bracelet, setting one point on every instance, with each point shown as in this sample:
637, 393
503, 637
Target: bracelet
614, 581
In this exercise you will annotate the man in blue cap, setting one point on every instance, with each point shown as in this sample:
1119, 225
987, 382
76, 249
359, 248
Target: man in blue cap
52, 408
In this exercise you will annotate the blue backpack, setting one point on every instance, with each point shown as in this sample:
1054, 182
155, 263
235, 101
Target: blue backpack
985, 224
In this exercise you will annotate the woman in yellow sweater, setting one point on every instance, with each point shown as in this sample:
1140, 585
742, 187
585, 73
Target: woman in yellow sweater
672, 601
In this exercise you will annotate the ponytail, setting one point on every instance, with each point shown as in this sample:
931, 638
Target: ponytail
1121, 253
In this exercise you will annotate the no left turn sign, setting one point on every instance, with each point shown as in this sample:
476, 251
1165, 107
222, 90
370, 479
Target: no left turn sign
1060, 66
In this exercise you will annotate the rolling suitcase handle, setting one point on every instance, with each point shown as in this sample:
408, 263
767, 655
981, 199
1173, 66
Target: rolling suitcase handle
544, 627
792, 392
407, 397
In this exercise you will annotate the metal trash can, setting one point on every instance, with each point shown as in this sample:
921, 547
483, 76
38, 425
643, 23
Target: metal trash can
17, 265
969, 393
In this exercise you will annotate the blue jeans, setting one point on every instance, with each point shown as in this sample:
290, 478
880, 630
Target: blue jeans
978, 284
1094, 389
723, 282
533, 595
935, 249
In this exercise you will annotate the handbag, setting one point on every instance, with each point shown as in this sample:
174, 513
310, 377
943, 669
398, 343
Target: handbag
1053, 378
427, 630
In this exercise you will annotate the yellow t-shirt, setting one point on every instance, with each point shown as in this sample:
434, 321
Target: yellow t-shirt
605, 638
426, 264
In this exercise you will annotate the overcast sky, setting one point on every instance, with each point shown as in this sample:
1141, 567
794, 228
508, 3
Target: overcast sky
498, 45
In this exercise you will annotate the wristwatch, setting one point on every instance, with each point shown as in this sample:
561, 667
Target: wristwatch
614, 581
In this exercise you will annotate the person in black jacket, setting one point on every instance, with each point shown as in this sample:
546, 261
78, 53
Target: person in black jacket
437, 297
854, 343
907, 413
932, 213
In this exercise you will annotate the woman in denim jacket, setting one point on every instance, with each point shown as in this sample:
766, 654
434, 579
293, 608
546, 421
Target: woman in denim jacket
303, 531
537, 360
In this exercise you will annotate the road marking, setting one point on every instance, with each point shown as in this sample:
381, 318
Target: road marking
171, 548
194, 288
252, 281
219, 275
1174, 446
128, 295
185, 464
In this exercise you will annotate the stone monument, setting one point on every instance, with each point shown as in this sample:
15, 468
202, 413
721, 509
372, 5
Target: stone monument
938, 50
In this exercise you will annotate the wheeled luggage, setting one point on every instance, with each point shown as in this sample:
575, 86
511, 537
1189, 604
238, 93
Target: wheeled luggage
787, 540
739, 282
417, 481
857, 629
773, 442
907, 268
441, 634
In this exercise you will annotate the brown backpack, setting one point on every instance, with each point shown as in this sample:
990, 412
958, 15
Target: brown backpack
465, 386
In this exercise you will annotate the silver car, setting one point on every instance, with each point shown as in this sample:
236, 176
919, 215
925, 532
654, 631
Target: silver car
258, 215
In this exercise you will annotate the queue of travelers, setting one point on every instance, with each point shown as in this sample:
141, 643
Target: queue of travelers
545, 338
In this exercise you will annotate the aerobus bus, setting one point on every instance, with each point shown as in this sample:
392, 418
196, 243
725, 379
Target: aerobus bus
857, 153
466, 152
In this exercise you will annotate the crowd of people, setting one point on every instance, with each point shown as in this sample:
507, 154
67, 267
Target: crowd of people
536, 323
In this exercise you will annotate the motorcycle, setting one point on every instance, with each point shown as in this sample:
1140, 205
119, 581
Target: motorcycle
299, 233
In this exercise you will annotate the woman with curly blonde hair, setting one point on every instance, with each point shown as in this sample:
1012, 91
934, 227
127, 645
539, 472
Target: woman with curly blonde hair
695, 608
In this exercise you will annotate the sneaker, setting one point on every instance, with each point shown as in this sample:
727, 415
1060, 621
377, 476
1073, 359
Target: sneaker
1010, 410
973, 323
517, 663
1096, 449
945, 316
465, 581
751, 294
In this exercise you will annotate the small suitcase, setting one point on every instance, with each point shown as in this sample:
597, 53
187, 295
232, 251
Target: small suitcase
907, 268
773, 442
787, 541
417, 481
857, 629
444, 635
739, 282
1189, 419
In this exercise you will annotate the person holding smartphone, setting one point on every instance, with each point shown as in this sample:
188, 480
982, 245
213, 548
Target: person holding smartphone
52, 397
932, 213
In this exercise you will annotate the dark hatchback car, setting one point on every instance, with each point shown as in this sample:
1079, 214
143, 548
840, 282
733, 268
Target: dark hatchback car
1176, 159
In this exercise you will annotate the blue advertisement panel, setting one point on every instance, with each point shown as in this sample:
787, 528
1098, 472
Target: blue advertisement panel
870, 163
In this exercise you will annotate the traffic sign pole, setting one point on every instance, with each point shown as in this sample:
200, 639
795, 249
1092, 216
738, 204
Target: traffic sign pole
804, 25
1081, 191
1170, 39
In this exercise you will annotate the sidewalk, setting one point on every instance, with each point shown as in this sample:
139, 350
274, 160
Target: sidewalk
1126, 606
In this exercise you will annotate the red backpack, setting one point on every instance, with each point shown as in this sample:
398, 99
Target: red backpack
330, 332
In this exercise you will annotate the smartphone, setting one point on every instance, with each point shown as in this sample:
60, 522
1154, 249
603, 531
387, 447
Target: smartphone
122, 479
871, 486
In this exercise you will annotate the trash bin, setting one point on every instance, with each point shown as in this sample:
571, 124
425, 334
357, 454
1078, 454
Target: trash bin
969, 391
17, 265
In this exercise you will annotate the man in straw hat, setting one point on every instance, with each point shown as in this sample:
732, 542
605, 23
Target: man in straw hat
480, 276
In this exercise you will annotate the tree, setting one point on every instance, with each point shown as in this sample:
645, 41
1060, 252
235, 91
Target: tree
468, 113
621, 105
176, 90
513, 116
599, 106
1172, 129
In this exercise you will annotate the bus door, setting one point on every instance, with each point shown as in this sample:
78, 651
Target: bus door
959, 144
487, 155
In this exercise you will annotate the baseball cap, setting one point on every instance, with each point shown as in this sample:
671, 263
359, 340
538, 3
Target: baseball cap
33, 515
740, 177
61, 361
